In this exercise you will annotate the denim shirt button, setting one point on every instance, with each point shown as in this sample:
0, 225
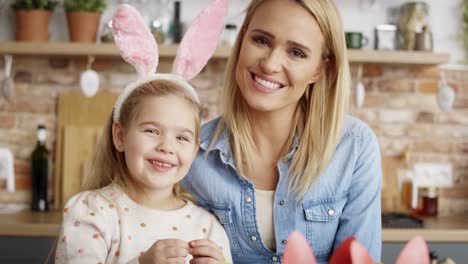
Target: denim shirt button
281, 202
274, 258
249, 200
284, 241
331, 212
254, 238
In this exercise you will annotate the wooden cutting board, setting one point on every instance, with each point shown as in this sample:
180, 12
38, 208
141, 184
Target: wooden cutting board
76, 110
391, 196
78, 149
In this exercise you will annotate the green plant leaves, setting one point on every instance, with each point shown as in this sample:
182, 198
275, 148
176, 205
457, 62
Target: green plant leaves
85, 5
34, 4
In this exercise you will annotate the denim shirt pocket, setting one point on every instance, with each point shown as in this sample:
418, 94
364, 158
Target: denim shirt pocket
321, 217
224, 214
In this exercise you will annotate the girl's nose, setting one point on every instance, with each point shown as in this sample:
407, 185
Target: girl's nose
165, 146
272, 62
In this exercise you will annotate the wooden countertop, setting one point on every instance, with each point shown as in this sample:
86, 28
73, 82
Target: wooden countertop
441, 229
28, 223
438, 229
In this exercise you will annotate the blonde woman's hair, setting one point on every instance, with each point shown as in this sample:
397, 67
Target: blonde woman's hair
320, 113
108, 165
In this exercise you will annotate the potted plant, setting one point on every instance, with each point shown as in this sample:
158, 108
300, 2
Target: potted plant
83, 18
32, 19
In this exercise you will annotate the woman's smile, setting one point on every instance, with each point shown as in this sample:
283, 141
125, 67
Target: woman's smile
265, 84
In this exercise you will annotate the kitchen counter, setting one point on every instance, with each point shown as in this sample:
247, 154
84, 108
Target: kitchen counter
31, 224
436, 229
440, 229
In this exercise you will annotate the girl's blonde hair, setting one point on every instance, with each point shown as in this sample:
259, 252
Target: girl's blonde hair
321, 110
108, 165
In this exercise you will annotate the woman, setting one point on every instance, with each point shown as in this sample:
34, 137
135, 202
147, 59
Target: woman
284, 155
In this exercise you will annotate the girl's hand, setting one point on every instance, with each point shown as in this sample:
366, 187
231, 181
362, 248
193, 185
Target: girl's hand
205, 251
166, 251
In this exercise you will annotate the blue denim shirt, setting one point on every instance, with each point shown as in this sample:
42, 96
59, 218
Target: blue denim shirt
343, 202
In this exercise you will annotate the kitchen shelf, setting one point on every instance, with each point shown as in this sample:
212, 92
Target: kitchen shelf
84, 49
223, 52
397, 57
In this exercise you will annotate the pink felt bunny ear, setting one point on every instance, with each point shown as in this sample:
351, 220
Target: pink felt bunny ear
200, 41
414, 252
134, 40
298, 251
351, 251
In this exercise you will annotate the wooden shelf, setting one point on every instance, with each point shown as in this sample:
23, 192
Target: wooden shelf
397, 57
84, 49
223, 52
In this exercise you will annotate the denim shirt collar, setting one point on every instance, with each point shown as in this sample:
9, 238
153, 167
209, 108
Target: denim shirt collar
222, 143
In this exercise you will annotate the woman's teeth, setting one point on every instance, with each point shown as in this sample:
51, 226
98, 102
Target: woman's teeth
161, 164
267, 84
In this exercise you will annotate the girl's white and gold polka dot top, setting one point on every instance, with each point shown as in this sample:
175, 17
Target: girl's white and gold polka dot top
106, 226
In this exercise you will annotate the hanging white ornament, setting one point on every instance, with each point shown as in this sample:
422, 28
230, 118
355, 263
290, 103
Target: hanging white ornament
360, 94
445, 94
89, 80
360, 89
445, 97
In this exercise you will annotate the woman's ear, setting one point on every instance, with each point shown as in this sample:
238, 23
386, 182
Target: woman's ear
319, 72
118, 136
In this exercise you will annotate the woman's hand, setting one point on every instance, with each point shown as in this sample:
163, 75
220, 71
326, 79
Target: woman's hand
166, 251
205, 251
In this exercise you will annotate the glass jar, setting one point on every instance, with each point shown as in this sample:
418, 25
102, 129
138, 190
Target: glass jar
429, 202
414, 16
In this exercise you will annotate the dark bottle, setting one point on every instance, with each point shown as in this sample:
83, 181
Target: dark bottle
40, 171
177, 24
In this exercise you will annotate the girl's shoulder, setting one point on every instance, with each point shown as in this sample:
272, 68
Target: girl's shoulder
93, 200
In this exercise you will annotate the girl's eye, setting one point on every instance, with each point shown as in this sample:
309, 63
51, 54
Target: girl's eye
152, 131
260, 40
297, 53
182, 138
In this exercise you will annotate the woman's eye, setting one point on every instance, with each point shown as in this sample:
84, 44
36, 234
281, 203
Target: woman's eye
297, 53
260, 40
152, 131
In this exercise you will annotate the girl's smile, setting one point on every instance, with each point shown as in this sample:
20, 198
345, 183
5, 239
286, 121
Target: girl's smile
161, 165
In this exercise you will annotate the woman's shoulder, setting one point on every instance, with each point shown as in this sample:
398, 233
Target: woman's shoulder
208, 129
354, 127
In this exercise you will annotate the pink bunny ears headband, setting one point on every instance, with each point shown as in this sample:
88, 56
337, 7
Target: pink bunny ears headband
139, 48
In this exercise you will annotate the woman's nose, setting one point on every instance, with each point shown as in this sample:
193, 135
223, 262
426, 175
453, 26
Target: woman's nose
272, 62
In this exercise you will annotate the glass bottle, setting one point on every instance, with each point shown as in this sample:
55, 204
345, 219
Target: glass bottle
40, 171
406, 180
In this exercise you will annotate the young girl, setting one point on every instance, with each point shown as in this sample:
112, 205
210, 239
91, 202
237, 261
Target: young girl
134, 209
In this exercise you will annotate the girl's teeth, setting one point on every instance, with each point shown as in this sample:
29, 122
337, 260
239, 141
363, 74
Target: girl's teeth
161, 164
267, 84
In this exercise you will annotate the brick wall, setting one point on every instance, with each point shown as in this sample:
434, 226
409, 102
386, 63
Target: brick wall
400, 106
